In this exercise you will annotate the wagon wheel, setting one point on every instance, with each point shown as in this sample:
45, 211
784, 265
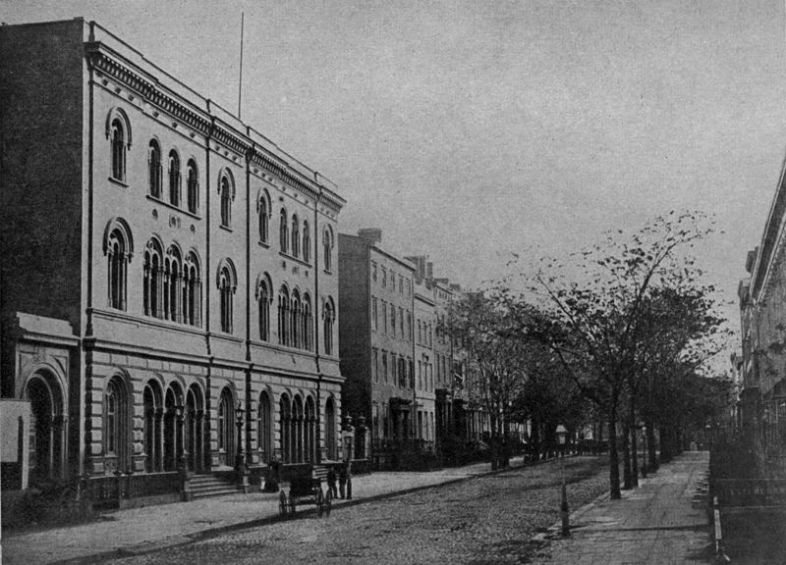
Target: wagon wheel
328, 502
292, 508
282, 504
320, 501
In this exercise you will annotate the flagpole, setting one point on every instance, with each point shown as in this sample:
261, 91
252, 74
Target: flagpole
240, 82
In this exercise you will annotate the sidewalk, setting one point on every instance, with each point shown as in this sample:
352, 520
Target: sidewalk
664, 521
139, 530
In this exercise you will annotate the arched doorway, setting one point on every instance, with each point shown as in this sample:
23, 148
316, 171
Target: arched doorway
173, 448
285, 416
311, 436
297, 429
194, 430
47, 428
265, 428
154, 411
226, 429
330, 430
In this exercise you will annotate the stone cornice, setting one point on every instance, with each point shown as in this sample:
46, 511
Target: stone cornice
107, 61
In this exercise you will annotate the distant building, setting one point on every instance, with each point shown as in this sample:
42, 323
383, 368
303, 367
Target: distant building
169, 275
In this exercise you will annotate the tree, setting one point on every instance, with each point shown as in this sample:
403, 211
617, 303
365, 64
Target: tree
596, 312
494, 361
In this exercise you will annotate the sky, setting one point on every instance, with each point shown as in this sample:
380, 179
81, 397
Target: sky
468, 131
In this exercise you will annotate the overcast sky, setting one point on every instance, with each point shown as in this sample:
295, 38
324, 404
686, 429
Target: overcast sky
470, 130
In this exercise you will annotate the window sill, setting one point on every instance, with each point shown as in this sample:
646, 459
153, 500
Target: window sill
118, 182
264, 244
172, 207
225, 228
286, 255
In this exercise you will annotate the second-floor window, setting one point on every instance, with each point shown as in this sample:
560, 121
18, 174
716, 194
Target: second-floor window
174, 178
154, 168
118, 144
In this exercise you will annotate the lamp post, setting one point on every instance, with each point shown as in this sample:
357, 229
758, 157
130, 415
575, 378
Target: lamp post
239, 459
562, 436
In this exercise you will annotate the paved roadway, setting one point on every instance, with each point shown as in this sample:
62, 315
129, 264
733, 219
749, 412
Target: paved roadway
489, 519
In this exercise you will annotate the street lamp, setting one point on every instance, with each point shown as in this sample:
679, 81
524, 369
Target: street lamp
562, 436
239, 459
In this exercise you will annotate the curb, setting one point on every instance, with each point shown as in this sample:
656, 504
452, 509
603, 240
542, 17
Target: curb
180, 540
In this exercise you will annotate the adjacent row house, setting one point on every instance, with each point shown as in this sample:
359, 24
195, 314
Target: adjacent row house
404, 370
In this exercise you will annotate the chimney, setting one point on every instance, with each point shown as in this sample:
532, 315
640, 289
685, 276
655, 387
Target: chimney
429, 270
372, 236
420, 265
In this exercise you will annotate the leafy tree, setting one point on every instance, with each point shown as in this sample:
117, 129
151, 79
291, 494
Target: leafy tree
596, 313
494, 357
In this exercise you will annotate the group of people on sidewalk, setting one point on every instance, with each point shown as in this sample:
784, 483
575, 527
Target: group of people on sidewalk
344, 481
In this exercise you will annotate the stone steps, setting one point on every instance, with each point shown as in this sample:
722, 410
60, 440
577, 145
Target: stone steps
204, 486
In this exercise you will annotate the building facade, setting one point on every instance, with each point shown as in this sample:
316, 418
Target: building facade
377, 348
761, 363
169, 283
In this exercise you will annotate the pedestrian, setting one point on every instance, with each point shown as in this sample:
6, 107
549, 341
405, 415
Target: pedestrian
331, 481
342, 480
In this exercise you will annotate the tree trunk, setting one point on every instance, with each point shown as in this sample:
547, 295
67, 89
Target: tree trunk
652, 449
634, 447
614, 461
627, 480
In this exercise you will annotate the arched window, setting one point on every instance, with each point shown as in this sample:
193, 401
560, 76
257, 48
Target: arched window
306, 242
329, 317
265, 428
327, 244
172, 285
295, 325
226, 201
152, 283
264, 311
118, 257
308, 322
154, 166
192, 187
295, 236
118, 145
226, 291
283, 234
283, 316
263, 220
115, 426
174, 178
192, 291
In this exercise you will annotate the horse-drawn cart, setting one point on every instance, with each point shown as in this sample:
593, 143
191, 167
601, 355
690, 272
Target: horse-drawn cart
305, 487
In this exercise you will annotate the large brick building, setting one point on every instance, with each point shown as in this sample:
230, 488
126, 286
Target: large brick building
169, 275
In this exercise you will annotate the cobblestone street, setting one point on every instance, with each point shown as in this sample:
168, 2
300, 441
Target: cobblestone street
488, 519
